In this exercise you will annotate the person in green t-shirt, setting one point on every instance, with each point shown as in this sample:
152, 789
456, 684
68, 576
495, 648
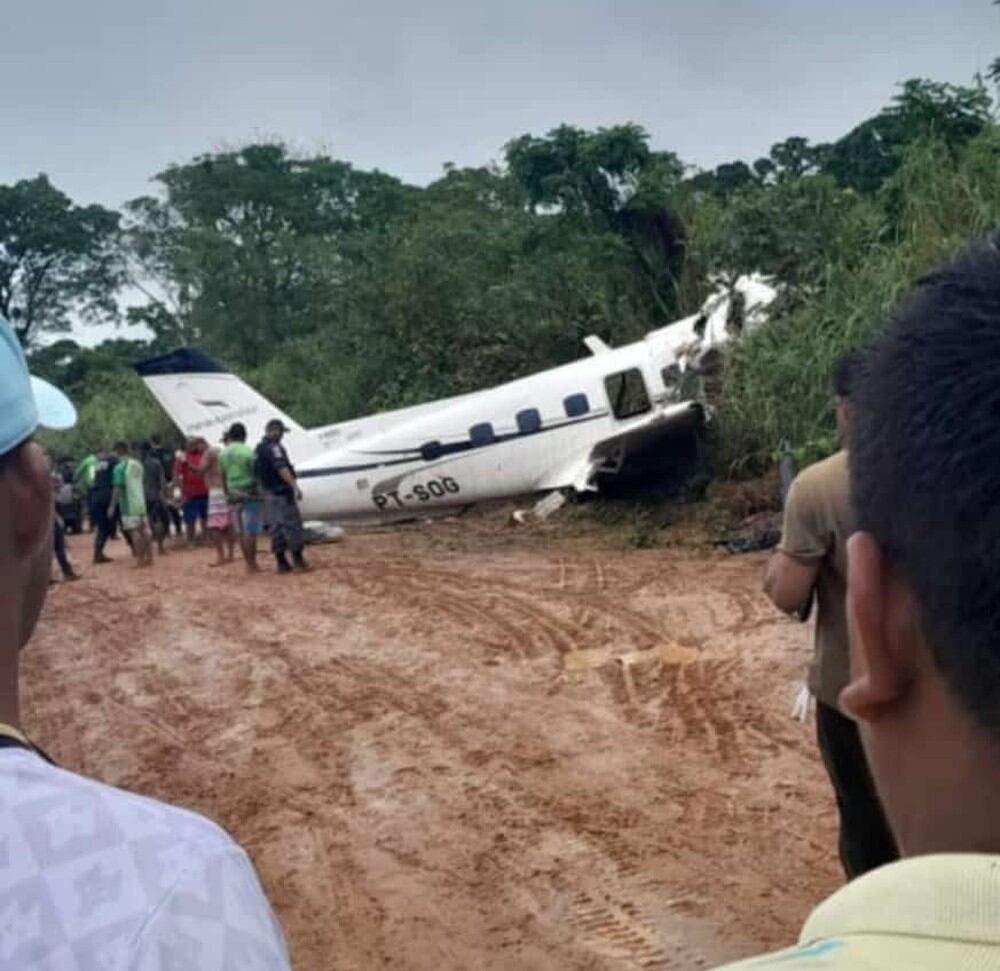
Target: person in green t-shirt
129, 496
86, 472
239, 476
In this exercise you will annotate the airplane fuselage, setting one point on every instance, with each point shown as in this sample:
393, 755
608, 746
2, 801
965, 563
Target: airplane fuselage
529, 435
557, 429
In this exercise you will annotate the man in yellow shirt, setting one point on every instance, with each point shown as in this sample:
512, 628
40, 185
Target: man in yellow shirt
923, 605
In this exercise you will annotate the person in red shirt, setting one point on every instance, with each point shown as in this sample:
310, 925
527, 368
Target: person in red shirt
189, 470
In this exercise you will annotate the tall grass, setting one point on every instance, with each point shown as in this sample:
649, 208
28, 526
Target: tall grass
777, 384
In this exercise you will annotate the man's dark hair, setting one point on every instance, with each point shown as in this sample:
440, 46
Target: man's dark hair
925, 466
120, 447
845, 372
238, 432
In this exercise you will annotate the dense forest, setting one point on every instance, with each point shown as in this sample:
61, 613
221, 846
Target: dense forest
338, 291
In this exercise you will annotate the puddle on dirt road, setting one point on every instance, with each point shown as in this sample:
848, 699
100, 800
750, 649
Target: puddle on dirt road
597, 657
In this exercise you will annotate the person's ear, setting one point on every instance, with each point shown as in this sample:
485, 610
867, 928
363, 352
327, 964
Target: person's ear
28, 488
883, 632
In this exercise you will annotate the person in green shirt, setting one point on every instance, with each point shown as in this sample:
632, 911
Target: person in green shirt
239, 476
129, 496
85, 472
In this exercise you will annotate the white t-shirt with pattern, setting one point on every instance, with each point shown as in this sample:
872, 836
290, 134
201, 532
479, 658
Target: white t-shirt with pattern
93, 878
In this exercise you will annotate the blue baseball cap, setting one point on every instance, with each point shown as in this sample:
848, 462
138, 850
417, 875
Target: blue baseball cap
26, 401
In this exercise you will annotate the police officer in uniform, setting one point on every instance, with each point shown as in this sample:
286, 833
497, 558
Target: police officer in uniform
281, 495
98, 500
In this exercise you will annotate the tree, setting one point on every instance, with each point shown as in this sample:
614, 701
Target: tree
794, 157
726, 179
75, 369
472, 287
870, 153
579, 172
57, 259
790, 230
246, 249
609, 179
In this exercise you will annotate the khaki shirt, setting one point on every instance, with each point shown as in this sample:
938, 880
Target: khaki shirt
928, 913
818, 521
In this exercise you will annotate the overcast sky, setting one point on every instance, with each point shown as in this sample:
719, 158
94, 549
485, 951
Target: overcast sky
102, 95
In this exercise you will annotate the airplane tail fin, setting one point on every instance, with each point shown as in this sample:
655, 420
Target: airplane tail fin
203, 399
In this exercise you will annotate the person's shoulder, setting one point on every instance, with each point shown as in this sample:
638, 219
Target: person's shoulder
98, 874
57, 808
824, 477
821, 956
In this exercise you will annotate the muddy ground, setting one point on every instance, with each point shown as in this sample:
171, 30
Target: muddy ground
459, 745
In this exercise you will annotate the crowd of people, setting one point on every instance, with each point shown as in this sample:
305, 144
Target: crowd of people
895, 537
221, 496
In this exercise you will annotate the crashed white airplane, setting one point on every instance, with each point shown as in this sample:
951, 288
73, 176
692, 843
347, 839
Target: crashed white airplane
558, 429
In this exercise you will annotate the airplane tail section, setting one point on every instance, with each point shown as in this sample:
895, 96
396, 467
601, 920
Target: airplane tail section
203, 399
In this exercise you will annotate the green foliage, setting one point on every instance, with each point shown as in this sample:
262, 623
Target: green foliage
793, 230
246, 249
778, 380
339, 292
577, 171
871, 153
56, 259
80, 370
116, 407
311, 381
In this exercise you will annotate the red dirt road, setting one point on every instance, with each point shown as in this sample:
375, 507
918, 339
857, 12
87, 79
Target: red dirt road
459, 746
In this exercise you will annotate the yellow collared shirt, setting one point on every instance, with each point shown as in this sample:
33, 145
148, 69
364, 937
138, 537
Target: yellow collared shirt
928, 913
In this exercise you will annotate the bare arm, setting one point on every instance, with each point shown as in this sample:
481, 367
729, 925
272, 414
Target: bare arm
789, 582
113, 505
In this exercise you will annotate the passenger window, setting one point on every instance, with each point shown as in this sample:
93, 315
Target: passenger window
529, 421
627, 393
482, 434
431, 450
576, 405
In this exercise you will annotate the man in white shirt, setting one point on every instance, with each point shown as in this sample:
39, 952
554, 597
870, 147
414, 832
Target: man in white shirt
93, 878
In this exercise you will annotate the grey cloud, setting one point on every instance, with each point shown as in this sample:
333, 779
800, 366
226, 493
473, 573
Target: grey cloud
103, 95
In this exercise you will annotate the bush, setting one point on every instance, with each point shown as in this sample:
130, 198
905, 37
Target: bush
777, 381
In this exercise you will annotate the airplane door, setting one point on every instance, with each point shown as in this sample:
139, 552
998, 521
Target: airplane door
627, 393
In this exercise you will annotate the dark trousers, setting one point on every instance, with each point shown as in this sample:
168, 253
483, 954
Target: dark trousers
865, 839
101, 523
284, 523
176, 518
159, 518
59, 547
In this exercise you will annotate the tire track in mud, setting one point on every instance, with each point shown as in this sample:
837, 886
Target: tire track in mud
370, 723
445, 591
619, 908
614, 908
610, 918
621, 929
689, 703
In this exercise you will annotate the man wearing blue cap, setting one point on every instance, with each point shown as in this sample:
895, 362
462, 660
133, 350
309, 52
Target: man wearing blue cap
92, 876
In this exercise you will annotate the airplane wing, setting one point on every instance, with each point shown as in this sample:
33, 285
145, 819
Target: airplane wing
611, 451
